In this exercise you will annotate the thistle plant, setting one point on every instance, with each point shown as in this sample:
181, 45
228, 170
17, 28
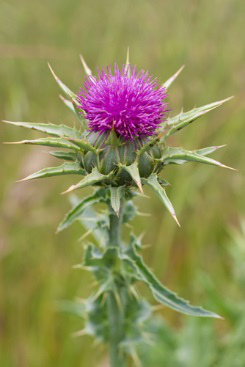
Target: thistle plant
119, 146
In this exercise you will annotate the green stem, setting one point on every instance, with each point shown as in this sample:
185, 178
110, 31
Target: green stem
115, 316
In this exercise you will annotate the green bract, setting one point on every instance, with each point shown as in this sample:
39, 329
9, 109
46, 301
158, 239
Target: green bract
116, 168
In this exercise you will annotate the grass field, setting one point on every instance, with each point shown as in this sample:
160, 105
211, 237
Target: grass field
204, 260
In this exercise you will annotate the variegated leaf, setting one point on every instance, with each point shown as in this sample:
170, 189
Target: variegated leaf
79, 208
133, 170
64, 169
181, 156
153, 183
51, 129
49, 142
67, 156
116, 195
178, 122
141, 272
94, 177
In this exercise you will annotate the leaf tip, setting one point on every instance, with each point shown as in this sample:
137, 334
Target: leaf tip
85, 66
71, 188
176, 220
53, 73
227, 167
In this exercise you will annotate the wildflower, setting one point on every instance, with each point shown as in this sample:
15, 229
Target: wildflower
131, 103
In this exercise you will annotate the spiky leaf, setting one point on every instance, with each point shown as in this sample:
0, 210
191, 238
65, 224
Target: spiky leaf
208, 150
64, 169
51, 129
116, 195
153, 183
133, 170
79, 209
67, 156
72, 106
178, 122
162, 294
169, 82
49, 142
93, 178
181, 156
63, 87
83, 144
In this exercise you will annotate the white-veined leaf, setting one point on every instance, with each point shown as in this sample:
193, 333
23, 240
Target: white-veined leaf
67, 156
178, 122
133, 170
79, 208
162, 294
116, 195
181, 156
51, 129
64, 169
49, 142
153, 183
92, 178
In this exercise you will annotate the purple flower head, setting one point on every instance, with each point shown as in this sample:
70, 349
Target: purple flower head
132, 103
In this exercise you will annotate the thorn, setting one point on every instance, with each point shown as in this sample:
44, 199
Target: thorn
139, 184
226, 99
62, 98
23, 179
144, 214
146, 246
172, 78
178, 72
127, 58
53, 73
80, 267
157, 308
224, 166
79, 333
71, 188
141, 236
142, 195
118, 301
86, 234
85, 66
221, 146
176, 220
134, 292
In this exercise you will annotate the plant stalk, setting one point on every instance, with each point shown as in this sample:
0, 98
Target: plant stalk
115, 312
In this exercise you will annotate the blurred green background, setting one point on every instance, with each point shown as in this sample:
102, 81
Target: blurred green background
204, 261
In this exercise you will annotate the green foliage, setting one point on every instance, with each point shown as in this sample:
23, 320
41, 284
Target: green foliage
50, 129
34, 274
92, 178
154, 184
163, 295
182, 120
181, 156
50, 142
76, 212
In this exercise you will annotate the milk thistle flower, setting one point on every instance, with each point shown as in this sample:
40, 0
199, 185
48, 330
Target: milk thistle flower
120, 146
131, 103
